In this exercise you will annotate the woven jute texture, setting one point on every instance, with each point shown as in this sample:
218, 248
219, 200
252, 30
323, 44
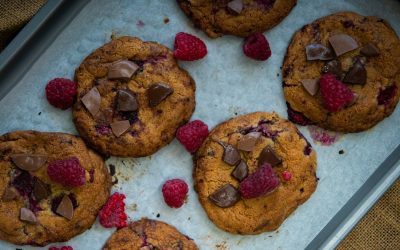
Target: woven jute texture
379, 229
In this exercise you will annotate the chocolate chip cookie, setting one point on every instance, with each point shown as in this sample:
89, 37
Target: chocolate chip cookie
147, 234
132, 97
237, 17
342, 72
52, 187
253, 171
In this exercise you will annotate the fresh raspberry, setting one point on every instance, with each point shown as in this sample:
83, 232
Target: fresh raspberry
286, 175
113, 212
257, 47
61, 248
386, 95
174, 192
61, 93
335, 94
188, 47
192, 135
297, 117
67, 172
262, 181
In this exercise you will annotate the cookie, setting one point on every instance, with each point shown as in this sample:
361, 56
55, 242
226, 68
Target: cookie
363, 53
132, 97
35, 209
238, 17
146, 234
253, 171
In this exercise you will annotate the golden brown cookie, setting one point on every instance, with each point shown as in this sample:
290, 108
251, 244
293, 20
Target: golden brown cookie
237, 17
362, 52
36, 210
132, 96
146, 234
230, 156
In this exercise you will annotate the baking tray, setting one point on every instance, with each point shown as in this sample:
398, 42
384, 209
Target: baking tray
27, 61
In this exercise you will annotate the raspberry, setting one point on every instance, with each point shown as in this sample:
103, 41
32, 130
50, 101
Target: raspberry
67, 172
386, 95
61, 248
286, 175
113, 212
192, 135
335, 94
262, 181
297, 117
257, 47
174, 192
188, 47
61, 93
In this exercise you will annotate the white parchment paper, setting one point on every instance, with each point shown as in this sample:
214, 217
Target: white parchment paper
227, 84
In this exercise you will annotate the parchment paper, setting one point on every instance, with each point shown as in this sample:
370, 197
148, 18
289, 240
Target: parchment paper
227, 84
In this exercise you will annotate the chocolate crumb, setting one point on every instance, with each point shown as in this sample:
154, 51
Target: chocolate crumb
112, 169
166, 20
39, 113
341, 151
158, 215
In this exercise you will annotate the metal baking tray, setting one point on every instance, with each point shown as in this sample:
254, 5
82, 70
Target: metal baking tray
42, 38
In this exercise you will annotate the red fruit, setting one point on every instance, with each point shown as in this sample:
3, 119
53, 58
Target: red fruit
188, 47
174, 192
257, 47
297, 117
61, 93
335, 94
67, 172
261, 182
61, 248
286, 175
113, 212
192, 135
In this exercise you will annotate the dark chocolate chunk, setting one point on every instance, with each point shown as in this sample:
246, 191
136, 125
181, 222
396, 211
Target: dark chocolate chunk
27, 215
268, 155
333, 67
241, 171
235, 6
126, 100
157, 93
357, 74
316, 51
370, 50
226, 196
231, 155
92, 101
342, 43
120, 127
122, 70
248, 141
65, 208
311, 85
9, 194
40, 190
29, 162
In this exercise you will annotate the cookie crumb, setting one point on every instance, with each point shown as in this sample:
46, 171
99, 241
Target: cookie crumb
166, 20
158, 215
341, 151
39, 113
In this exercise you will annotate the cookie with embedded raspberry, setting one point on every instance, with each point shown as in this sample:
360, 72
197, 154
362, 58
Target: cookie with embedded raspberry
237, 17
241, 173
149, 234
342, 72
51, 187
132, 97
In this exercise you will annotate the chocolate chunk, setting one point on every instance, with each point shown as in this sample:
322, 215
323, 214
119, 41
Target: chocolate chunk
268, 155
316, 51
226, 196
122, 70
9, 194
241, 171
27, 215
92, 101
120, 127
40, 190
342, 43
247, 142
29, 162
231, 155
357, 74
333, 67
370, 50
105, 116
311, 85
126, 100
235, 6
157, 93
65, 208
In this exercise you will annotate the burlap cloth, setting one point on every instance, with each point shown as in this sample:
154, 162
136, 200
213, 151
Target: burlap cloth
379, 229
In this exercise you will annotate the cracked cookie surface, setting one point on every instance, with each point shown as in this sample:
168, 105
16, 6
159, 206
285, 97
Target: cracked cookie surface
267, 212
34, 215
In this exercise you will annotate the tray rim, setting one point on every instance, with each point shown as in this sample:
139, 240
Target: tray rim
57, 14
